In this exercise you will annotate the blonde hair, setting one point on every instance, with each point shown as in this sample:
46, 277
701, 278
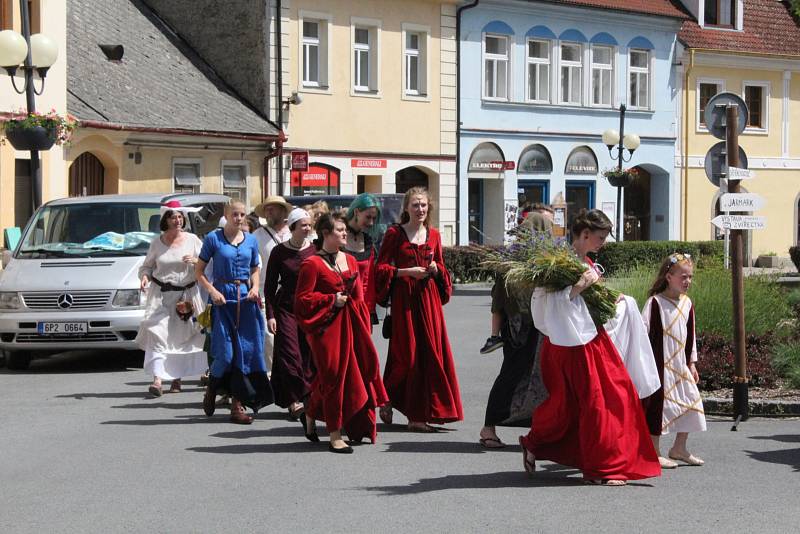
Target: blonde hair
229, 206
411, 193
676, 258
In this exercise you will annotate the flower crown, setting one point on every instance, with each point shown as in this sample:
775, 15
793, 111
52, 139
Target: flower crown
675, 257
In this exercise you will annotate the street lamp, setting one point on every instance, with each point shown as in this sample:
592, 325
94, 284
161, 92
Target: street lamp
622, 142
35, 53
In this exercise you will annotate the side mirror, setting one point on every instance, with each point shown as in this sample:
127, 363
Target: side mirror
7, 254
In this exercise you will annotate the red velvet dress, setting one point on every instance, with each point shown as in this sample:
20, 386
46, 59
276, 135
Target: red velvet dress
592, 419
366, 271
347, 387
420, 375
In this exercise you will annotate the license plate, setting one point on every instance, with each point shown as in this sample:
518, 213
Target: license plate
62, 328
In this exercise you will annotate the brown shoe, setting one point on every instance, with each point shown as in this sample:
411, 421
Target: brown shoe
209, 404
238, 415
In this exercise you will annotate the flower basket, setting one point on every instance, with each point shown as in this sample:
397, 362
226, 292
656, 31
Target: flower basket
36, 138
620, 178
37, 131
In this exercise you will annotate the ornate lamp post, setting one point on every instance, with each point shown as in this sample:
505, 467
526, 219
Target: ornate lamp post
35, 53
622, 141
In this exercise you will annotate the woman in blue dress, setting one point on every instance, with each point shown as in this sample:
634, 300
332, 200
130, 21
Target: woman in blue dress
237, 327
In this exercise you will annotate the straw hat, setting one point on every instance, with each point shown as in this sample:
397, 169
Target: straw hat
272, 199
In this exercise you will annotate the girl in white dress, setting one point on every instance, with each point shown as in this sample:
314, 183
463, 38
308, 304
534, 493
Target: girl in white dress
677, 405
169, 334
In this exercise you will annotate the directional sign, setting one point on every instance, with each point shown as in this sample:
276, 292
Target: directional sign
739, 222
737, 173
716, 162
741, 202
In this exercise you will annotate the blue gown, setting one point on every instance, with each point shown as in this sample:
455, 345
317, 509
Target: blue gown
237, 328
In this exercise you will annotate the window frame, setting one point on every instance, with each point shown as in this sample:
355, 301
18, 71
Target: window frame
539, 63
423, 63
603, 67
373, 49
720, 83
496, 58
571, 65
765, 97
648, 72
736, 19
241, 163
200, 174
324, 57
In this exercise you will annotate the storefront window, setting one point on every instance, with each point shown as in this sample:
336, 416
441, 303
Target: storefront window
319, 179
487, 157
581, 161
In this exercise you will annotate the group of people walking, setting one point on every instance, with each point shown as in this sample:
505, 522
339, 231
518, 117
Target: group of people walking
596, 397
305, 309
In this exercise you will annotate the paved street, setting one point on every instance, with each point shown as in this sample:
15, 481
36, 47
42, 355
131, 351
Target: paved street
83, 449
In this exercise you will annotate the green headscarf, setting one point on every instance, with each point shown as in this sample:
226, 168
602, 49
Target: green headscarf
363, 202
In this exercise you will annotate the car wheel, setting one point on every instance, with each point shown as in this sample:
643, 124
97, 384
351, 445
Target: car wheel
18, 361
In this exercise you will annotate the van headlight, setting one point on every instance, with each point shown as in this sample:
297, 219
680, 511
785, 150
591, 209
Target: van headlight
128, 298
10, 301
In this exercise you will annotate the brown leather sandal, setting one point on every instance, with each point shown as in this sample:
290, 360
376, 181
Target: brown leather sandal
238, 414
175, 386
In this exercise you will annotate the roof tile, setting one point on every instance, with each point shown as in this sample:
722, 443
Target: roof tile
664, 8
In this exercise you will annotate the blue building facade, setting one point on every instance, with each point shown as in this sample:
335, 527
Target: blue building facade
540, 83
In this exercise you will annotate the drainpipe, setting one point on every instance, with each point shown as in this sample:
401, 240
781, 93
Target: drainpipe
685, 148
279, 92
458, 116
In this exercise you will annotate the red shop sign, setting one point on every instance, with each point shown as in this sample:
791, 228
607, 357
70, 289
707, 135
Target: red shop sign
315, 176
368, 163
299, 160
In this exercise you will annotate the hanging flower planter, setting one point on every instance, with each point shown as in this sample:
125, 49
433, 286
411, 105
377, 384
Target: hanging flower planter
621, 178
36, 138
36, 131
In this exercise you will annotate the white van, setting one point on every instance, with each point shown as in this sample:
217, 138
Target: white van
72, 281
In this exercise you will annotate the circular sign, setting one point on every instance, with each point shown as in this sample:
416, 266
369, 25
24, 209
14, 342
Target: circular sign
714, 115
716, 162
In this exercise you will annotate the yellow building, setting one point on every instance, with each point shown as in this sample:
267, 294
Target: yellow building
750, 48
376, 98
15, 181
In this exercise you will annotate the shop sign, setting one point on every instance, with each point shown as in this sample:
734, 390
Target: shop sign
299, 160
368, 163
492, 166
315, 176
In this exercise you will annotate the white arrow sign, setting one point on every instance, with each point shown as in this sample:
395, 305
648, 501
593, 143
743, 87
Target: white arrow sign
739, 222
741, 202
735, 173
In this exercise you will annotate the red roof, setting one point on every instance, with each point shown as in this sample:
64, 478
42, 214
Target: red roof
768, 29
664, 8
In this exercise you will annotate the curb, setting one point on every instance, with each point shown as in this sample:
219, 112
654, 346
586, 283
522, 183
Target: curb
757, 408
472, 290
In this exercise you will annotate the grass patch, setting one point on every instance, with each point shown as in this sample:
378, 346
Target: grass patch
786, 360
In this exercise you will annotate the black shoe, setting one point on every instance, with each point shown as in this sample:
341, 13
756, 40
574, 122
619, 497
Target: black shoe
209, 401
313, 437
344, 450
492, 344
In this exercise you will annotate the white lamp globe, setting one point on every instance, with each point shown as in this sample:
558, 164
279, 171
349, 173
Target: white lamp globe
44, 51
13, 48
611, 137
631, 142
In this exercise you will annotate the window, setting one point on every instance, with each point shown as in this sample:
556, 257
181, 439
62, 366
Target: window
639, 72
571, 72
415, 64
602, 75
366, 45
314, 45
186, 176
720, 13
234, 179
756, 96
495, 67
538, 70
705, 92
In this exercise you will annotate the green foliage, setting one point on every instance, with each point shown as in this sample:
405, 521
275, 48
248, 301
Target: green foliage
60, 127
795, 7
464, 264
794, 252
766, 308
630, 254
786, 360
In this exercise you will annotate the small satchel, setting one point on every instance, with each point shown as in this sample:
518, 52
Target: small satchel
386, 327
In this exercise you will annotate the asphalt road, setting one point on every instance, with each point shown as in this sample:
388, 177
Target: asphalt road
83, 449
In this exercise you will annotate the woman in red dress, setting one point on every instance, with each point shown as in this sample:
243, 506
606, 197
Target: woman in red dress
362, 214
420, 375
330, 308
592, 419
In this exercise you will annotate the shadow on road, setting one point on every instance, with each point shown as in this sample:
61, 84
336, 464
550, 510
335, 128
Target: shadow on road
784, 438
178, 420
503, 479
265, 448
96, 361
113, 395
280, 432
447, 447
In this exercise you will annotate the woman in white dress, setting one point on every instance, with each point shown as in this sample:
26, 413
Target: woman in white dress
676, 406
169, 334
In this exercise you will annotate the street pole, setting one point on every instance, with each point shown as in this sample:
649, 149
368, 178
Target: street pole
619, 167
36, 173
740, 386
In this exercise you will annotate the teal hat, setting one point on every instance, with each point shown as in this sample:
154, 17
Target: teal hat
362, 202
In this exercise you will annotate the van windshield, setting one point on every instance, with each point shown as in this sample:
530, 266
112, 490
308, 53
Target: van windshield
91, 229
